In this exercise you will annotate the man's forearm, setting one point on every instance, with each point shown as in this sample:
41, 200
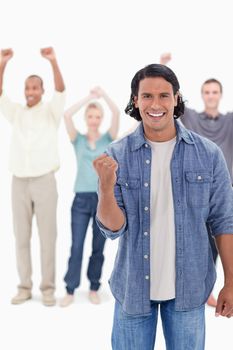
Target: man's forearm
2, 69
58, 80
109, 213
225, 248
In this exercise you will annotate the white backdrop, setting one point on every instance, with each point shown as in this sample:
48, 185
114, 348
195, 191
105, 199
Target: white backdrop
98, 43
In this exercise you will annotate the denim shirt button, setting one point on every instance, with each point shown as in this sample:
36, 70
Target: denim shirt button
146, 184
146, 145
199, 177
126, 184
146, 208
148, 161
145, 256
147, 277
145, 233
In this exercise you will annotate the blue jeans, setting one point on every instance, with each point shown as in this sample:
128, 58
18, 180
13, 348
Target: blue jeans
83, 209
182, 330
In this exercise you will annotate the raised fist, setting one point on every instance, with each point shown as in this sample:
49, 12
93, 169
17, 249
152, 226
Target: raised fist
6, 55
48, 53
165, 58
106, 168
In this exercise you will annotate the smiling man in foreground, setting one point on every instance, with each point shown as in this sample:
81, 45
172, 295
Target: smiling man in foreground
158, 188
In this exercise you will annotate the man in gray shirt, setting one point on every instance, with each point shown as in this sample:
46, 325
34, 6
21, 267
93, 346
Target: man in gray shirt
213, 125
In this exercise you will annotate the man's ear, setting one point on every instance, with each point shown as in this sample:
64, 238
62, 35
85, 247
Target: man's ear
135, 100
177, 97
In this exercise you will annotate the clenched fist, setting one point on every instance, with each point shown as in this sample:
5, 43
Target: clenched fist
48, 52
6, 55
165, 58
106, 168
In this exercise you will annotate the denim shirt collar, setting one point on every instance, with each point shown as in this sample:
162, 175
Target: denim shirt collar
138, 137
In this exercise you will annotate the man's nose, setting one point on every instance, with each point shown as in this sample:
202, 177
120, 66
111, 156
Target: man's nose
155, 103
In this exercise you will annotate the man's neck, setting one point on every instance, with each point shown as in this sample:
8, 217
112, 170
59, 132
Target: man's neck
212, 112
36, 104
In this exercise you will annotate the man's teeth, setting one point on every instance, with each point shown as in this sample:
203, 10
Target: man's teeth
30, 98
156, 114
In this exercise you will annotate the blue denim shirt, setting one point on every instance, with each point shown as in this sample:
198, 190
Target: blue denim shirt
202, 195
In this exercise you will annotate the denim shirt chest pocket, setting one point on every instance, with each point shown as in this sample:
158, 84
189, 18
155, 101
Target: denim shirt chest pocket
130, 193
198, 185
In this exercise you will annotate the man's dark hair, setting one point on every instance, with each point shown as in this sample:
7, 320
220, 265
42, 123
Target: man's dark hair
212, 80
154, 70
38, 77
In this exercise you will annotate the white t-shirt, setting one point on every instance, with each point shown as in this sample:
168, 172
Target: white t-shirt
162, 226
34, 144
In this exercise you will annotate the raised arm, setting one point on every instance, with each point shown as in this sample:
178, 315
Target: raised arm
108, 211
114, 127
6, 55
49, 54
68, 116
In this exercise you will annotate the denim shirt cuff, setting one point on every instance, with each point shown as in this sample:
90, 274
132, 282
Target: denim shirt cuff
108, 233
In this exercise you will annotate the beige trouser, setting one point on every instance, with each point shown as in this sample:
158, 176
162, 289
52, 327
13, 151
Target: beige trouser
35, 195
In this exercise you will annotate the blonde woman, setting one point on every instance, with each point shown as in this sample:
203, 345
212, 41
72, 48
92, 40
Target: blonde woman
87, 147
